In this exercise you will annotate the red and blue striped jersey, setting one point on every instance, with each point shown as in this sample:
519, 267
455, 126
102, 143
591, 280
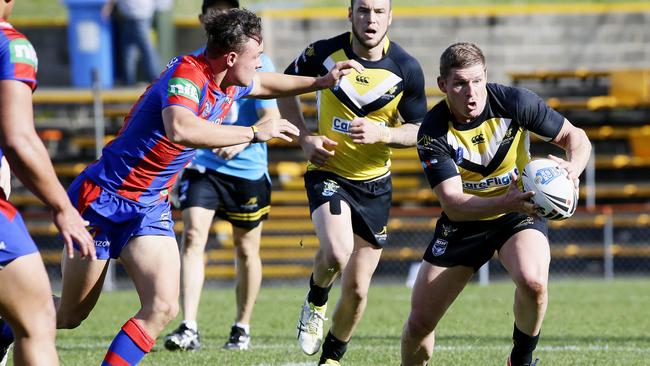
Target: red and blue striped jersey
18, 59
141, 164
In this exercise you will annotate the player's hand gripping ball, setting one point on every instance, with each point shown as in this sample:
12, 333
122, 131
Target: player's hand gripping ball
555, 193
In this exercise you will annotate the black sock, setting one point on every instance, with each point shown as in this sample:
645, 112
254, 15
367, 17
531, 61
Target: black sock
524, 345
317, 295
333, 348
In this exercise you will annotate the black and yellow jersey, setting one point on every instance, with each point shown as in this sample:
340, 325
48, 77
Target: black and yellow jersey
389, 92
487, 150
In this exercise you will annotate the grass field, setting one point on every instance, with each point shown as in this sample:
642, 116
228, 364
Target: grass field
588, 323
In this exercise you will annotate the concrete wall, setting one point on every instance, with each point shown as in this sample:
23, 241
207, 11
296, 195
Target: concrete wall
519, 42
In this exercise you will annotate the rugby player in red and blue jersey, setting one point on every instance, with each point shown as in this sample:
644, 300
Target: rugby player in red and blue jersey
25, 303
124, 194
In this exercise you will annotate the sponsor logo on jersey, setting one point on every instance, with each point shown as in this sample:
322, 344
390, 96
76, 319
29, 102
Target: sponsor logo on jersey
251, 204
382, 235
184, 88
363, 80
439, 247
546, 175
491, 182
329, 188
340, 125
22, 52
478, 139
429, 163
390, 93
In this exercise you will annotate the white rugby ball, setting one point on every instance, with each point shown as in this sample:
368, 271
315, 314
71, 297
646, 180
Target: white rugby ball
555, 193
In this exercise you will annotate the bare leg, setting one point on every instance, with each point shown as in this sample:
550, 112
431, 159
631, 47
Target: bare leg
355, 282
26, 304
196, 221
249, 270
153, 264
82, 285
526, 256
434, 291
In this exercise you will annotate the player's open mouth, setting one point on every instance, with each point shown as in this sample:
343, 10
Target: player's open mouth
370, 32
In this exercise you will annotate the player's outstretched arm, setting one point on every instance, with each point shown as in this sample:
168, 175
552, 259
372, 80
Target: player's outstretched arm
275, 85
460, 206
31, 163
183, 127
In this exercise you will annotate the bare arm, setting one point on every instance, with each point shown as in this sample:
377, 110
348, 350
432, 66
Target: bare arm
317, 148
230, 152
183, 127
364, 131
576, 144
27, 155
460, 206
275, 85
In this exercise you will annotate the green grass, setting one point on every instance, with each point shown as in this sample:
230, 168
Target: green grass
190, 8
588, 323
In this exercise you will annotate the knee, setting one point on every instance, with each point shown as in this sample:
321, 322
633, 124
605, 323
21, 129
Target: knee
164, 311
194, 240
336, 260
534, 287
418, 327
247, 252
356, 294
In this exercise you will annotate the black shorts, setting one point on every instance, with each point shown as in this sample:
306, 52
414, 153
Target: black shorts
369, 201
472, 243
242, 202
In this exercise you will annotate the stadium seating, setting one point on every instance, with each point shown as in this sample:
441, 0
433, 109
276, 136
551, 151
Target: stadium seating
64, 121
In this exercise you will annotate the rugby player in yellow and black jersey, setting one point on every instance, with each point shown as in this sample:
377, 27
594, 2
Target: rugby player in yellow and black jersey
348, 179
473, 146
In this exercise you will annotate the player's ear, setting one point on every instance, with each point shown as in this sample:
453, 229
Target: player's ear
390, 17
441, 84
350, 14
231, 58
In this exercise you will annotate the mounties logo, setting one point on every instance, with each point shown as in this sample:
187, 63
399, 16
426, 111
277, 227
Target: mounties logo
478, 139
22, 52
382, 235
184, 88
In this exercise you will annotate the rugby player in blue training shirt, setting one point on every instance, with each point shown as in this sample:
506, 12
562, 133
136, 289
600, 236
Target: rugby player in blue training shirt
232, 182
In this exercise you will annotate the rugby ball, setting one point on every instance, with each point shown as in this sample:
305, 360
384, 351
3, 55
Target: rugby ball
555, 193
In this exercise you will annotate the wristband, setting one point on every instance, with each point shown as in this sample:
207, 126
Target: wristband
255, 132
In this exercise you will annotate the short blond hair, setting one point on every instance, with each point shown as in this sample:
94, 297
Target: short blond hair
460, 55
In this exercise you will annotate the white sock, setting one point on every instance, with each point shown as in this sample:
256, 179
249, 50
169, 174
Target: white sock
245, 327
191, 324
